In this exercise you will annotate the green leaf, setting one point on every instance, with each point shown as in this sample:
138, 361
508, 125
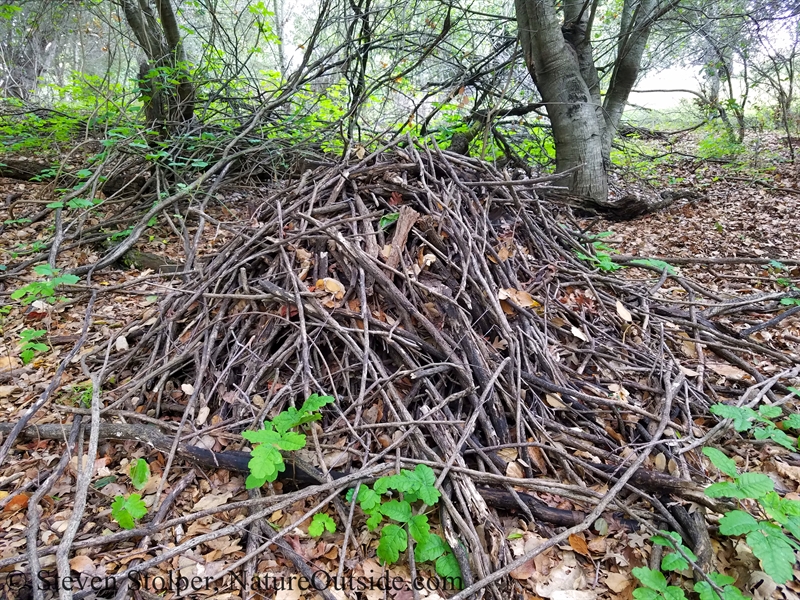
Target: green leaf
292, 441
673, 562
315, 402
262, 436
126, 510
67, 278
769, 412
319, 523
419, 528
774, 434
790, 301
393, 541
737, 522
651, 578
430, 548
447, 566
722, 462
368, 499
724, 489
252, 482
792, 525
374, 519
793, 422
387, 220
674, 593
646, 594
104, 481
730, 592
772, 548
266, 462
741, 417
140, 473
55, 205
285, 420
45, 270
653, 263
397, 510
721, 580
754, 485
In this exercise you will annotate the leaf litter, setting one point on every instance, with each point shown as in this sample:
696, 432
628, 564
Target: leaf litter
482, 336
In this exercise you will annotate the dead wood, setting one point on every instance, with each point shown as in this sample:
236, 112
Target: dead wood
469, 330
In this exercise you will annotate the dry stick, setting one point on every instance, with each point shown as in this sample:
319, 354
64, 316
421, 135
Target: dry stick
176, 491
81, 490
671, 390
34, 512
712, 260
237, 527
273, 502
20, 425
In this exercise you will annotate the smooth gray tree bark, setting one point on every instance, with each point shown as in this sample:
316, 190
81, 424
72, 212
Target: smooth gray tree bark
558, 53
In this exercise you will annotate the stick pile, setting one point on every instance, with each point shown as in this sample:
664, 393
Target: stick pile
448, 310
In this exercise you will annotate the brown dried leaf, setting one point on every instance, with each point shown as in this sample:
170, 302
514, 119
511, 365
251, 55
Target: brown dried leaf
578, 544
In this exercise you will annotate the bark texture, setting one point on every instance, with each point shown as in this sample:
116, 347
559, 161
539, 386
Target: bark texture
155, 27
559, 56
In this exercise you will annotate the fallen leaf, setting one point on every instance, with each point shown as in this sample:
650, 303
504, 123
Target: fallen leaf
519, 297
515, 470
332, 286
554, 400
525, 571
121, 344
17, 503
7, 390
728, 371
508, 454
577, 543
789, 471
579, 334
661, 462
573, 595
624, 313
81, 563
187, 388
211, 501
7, 363
617, 582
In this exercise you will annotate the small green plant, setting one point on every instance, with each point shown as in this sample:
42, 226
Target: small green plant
601, 258
320, 523
759, 422
388, 219
266, 460
415, 486
765, 536
790, 301
126, 510
29, 346
653, 263
656, 586
140, 473
45, 174
82, 393
45, 288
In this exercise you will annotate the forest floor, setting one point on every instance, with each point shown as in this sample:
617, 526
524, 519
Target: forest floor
746, 210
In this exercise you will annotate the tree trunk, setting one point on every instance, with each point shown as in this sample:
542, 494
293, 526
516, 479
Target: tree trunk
555, 69
560, 60
156, 30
